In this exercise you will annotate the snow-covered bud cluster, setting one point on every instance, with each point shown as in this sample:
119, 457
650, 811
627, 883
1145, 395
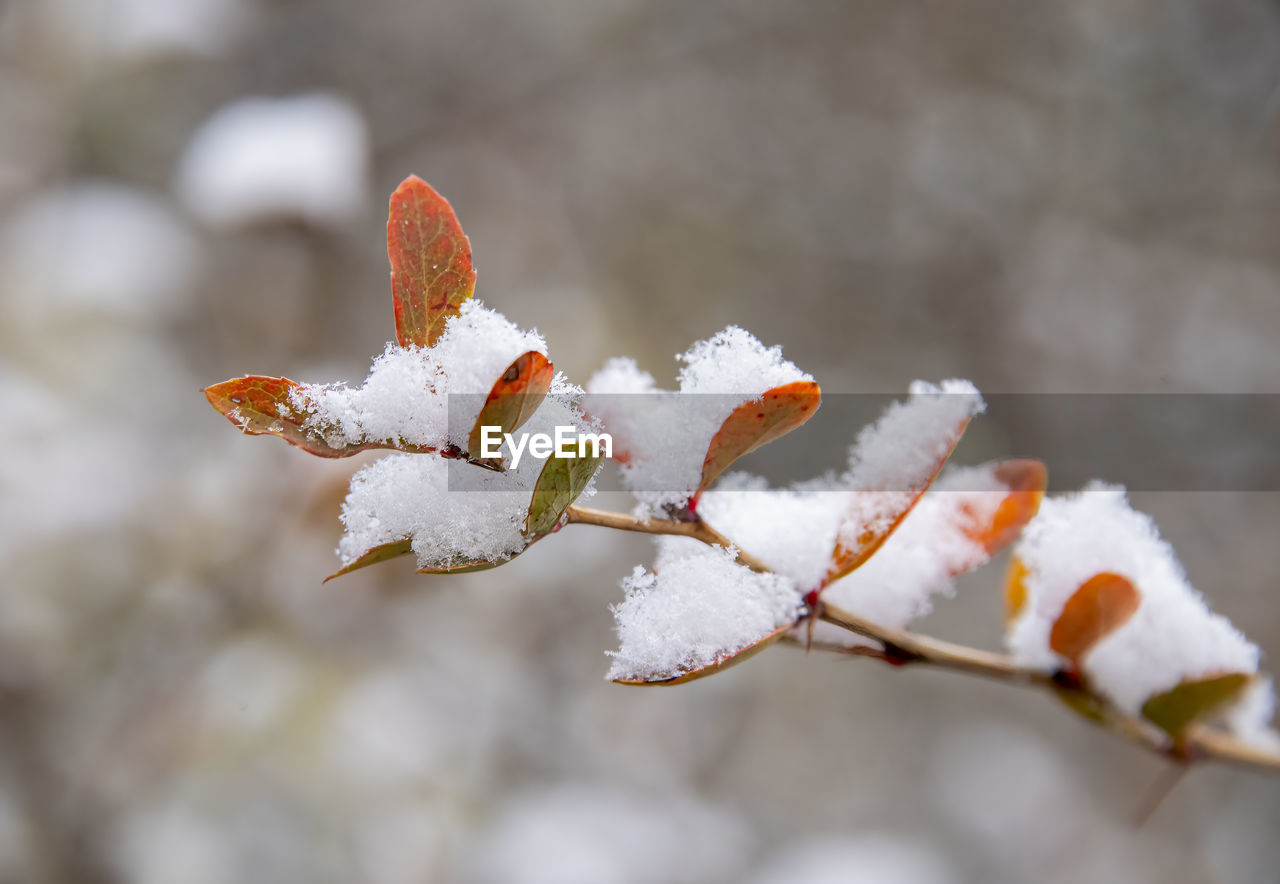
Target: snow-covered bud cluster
698, 608
407, 393
455, 515
1094, 587
662, 437
803, 533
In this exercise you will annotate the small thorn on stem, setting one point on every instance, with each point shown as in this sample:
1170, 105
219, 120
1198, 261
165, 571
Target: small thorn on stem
895, 656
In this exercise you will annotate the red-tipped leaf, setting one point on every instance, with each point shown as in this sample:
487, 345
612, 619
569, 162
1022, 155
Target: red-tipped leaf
777, 412
874, 514
1026, 481
514, 397
431, 272
263, 406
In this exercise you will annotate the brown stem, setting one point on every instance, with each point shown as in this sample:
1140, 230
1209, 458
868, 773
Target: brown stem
909, 647
697, 529
1199, 741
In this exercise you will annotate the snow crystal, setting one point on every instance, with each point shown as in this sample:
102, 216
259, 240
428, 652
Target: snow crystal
699, 608
399, 400
263, 159
933, 543
647, 427
613, 396
453, 511
407, 495
1172, 637
1249, 718
893, 459
734, 362
665, 434
407, 394
621, 375
477, 346
792, 530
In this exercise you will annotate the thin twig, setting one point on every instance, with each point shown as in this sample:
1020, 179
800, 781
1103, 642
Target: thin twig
899, 647
909, 647
696, 529
1199, 741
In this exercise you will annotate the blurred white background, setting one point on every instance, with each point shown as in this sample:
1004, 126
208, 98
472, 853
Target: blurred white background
1076, 197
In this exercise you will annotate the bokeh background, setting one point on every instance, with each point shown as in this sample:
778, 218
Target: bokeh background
1078, 197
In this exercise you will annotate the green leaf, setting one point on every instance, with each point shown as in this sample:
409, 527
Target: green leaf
1101, 605
1084, 704
561, 481
514, 397
731, 658
261, 406
378, 554
431, 272
1177, 708
777, 412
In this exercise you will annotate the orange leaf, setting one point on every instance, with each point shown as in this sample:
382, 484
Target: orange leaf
261, 406
1026, 481
514, 397
1015, 590
431, 272
777, 412
880, 512
732, 658
1101, 605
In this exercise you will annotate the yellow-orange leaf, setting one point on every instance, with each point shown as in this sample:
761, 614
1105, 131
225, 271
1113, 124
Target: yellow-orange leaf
880, 513
1015, 590
515, 396
431, 272
1101, 605
777, 412
1026, 481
